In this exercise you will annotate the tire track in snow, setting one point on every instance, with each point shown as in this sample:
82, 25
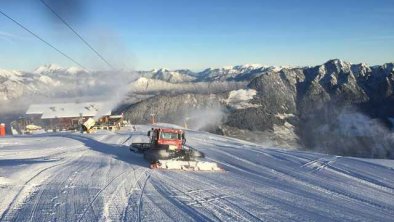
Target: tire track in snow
322, 189
22, 189
38, 197
300, 181
99, 192
210, 202
128, 138
213, 188
26, 184
271, 153
373, 183
140, 197
130, 193
326, 163
320, 164
33, 211
162, 187
108, 205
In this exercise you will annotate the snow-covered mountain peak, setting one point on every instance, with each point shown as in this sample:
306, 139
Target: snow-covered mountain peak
334, 66
173, 76
9, 73
75, 70
239, 72
141, 80
389, 66
338, 63
239, 67
250, 66
56, 70
49, 68
163, 70
364, 64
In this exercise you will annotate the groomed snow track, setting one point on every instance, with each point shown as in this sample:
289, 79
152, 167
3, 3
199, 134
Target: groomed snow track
74, 177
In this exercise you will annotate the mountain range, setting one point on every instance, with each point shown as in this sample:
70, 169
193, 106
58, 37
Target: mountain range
336, 107
323, 107
45, 79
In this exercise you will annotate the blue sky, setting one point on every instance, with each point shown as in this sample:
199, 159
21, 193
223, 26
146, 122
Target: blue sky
195, 34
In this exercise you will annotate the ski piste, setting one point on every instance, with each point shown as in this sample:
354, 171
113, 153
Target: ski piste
90, 177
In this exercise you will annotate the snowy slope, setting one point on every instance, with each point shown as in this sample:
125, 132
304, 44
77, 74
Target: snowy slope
146, 85
74, 177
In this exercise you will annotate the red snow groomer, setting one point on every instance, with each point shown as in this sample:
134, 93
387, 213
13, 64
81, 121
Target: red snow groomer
168, 150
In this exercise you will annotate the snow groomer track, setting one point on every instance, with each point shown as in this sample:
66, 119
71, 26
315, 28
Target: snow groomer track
94, 177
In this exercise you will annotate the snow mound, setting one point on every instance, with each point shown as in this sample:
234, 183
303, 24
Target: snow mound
239, 99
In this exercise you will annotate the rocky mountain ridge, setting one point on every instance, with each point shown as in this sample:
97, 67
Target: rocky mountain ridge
307, 106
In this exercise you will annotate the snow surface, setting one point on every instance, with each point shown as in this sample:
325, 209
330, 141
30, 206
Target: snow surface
239, 99
90, 177
146, 85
